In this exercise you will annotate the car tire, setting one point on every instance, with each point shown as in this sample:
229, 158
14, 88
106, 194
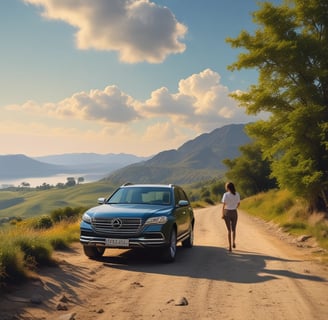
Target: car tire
93, 252
169, 252
189, 242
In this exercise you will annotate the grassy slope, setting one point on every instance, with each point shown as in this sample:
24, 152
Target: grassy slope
282, 208
29, 203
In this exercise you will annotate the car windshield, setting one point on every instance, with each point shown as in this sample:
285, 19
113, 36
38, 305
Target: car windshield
141, 195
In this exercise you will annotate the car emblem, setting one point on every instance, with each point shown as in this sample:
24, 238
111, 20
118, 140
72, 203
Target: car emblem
117, 223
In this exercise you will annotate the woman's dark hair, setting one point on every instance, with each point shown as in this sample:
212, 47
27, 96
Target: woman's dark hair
231, 187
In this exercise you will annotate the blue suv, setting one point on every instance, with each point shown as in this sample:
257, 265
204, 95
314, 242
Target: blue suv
139, 216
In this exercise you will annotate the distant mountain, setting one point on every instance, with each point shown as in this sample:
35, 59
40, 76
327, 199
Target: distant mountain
19, 166
196, 160
92, 162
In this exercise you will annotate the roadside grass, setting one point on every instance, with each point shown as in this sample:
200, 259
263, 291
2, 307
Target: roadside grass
199, 204
24, 248
288, 212
203, 203
62, 235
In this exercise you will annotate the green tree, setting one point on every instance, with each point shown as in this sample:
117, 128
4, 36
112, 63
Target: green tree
290, 52
250, 171
70, 182
80, 180
218, 189
25, 184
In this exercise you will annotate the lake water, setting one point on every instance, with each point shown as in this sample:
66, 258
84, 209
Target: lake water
51, 180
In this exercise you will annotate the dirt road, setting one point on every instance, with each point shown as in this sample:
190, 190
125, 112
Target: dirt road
264, 278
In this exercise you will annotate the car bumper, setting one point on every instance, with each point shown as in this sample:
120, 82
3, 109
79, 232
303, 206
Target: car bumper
152, 236
141, 242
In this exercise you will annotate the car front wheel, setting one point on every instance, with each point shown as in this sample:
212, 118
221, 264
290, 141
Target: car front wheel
170, 251
93, 252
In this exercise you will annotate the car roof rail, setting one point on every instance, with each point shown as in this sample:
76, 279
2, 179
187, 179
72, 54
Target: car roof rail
127, 184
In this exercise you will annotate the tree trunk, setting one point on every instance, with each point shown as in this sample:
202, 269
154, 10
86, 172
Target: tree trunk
319, 203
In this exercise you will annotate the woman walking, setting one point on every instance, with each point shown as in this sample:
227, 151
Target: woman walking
231, 201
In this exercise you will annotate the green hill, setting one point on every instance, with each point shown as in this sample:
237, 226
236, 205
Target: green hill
196, 160
31, 202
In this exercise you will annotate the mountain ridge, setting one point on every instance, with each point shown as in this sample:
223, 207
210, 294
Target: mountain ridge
19, 166
197, 159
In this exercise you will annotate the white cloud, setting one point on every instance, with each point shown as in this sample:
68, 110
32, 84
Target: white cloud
164, 121
110, 105
201, 103
139, 30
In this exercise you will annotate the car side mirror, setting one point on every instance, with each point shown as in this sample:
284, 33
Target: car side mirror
183, 203
101, 200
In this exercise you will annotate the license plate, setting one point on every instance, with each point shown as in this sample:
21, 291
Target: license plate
117, 242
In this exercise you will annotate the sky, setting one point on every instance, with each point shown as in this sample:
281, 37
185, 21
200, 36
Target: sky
118, 76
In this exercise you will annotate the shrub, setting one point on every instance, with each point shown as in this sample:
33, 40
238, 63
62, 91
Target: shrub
67, 213
205, 193
36, 251
282, 205
12, 264
35, 223
209, 201
44, 222
294, 225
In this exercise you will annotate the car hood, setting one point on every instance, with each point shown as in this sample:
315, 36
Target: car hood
127, 210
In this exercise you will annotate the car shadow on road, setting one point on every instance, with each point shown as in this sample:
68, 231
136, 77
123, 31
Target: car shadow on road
207, 262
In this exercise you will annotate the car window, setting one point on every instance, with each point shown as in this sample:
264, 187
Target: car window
137, 195
179, 194
117, 197
182, 195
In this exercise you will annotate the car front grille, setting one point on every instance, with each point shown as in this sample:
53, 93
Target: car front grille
116, 226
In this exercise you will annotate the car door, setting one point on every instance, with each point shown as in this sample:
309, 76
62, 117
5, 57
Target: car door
182, 212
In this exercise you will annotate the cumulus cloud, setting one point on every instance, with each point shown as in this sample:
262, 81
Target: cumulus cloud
139, 30
109, 105
201, 103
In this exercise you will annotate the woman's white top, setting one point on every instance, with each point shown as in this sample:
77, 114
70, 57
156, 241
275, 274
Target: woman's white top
231, 200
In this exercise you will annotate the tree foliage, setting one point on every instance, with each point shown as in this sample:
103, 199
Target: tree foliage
290, 52
250, 170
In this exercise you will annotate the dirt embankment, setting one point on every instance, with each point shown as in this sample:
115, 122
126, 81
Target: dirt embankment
268, 276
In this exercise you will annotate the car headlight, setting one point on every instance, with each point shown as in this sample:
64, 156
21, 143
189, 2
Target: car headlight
157, 220
86, 218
